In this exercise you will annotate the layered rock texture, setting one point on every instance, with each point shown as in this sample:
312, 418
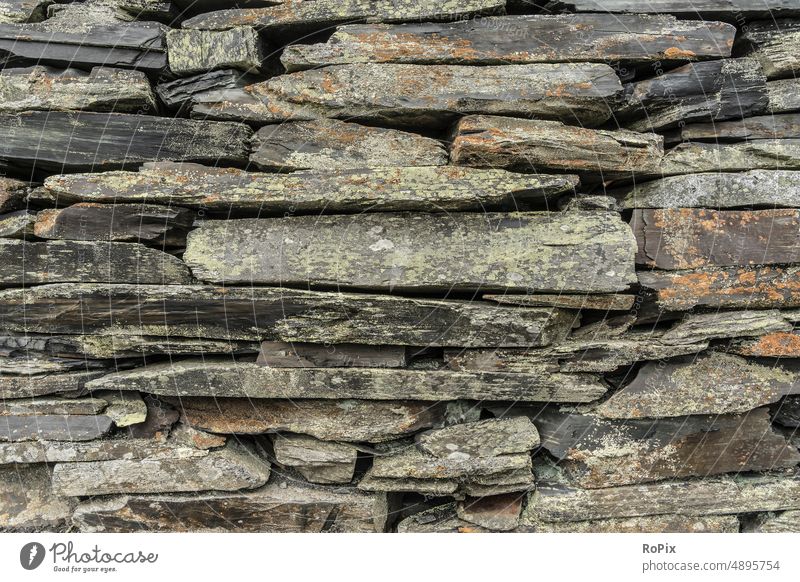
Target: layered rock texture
400, 266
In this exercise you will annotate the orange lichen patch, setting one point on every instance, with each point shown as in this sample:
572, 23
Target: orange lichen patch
779, 344
45, 221
675, 52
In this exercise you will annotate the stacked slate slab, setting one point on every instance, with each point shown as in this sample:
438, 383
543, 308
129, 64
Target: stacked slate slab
399, 266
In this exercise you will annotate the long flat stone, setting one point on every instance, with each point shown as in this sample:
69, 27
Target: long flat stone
758, 154
498, 40
253, 313
549, 252
226, 379
54, 427
232, 191
730, 9
71, 384
67, 141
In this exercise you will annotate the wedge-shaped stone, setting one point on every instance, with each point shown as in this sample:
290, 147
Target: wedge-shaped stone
102, 89
496, 513
771, 188
27, 501
223, 378
687, 238
59, 141
484, 438
23, 10
609, 302
301, 355
332, 420
723, 324
584, 354
716, 383
559, 502
117, 346
729, 9
576, 252
711, 90
328, 144
445, 519
758, 127
784, 95
53, 427
280, 506
425, 95
17, 224
596, 452
83, 261
197, 51
501, 40
231, 191
182, 92
71, 384
318, 461
230, 468
306, 17
779, 344
738, 287
253, 313
535, 145
134, 45
776, 45
759, 154
115, 222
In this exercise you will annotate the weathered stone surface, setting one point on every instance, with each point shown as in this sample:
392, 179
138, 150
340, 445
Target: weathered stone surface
596, 452
117, 346
307, 17
760, 154
49, 89
739, 287
197, 51
28, 364
711, 90
134, 45
12, 194
318, 461
484, 438
501, 40
425, 95
282, 506
23, 10
302, 355
328, 144
723, 324
556, 502
231, 191
53, 427
535, 145
758, 127
52, 406
690, 8
779, 344
577, 354
144, 223
85, 261
776, 44
609, 302
687, 238
89, 13
71, 384
716, 383
784, 95
17, 224
27, 501
526, 251
106, 141
124, 408
332, 420
444, 519
223, 378
783, 522
496, 513
253, 313
770, 188
227, 469
182, 92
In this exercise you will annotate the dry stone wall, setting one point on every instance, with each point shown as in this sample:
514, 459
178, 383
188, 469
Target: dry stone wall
399, 266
